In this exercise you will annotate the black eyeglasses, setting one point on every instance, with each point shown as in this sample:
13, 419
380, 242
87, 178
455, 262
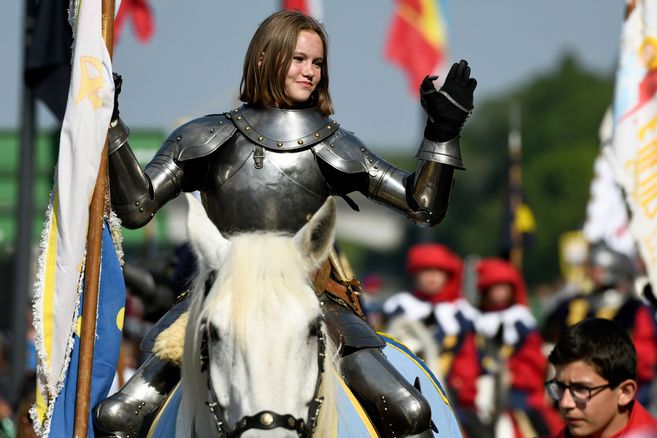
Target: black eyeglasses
579, 392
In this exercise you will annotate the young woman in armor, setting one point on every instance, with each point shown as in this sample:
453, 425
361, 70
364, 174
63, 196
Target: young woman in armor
270, 164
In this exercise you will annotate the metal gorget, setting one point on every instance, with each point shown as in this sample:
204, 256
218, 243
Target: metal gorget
282, 129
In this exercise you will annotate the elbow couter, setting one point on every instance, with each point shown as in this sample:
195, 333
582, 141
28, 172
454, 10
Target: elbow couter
135, 215
427, 218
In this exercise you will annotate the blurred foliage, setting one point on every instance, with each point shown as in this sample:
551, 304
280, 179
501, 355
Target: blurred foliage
561, 113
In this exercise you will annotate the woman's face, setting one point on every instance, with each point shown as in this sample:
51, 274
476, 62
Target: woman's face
306, 68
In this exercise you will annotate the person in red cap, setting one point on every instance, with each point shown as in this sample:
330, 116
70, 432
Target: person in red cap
437, 302
510, 393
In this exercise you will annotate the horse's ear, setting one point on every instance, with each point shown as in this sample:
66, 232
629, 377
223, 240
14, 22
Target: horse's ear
207, 242
316, 238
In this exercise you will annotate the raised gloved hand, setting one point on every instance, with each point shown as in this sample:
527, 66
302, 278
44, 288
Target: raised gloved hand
117, 90
448, 107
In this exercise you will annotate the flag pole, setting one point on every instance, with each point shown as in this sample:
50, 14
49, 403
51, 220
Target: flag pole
92, 266
515, 184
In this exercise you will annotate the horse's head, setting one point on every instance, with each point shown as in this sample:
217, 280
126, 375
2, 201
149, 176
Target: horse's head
255, 337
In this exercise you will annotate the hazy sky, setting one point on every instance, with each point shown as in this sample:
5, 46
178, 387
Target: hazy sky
192, 66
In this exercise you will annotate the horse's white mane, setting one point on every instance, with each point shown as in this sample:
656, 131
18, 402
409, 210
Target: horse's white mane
260, 276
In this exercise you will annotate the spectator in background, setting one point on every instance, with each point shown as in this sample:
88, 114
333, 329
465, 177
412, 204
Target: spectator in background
510, 389
612, 275
7, 428
24, 426
437, 302
595, 383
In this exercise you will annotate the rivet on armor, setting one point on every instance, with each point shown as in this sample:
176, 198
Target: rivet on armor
239, 117
376, 166
279, 144
141, 210
309, 216
178, 138
328, 127
362, 149
370, 160
334, 122
317, 134
137, 203
220, 122
332, 145
136, 412
211, 129
300, 141
266, 419
261, 138
248, 128
235, 111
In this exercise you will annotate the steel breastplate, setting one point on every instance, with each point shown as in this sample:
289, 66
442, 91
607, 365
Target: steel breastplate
250, 188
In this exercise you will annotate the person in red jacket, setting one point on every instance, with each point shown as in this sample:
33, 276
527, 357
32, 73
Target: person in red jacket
595, 383
510, 389
437, 302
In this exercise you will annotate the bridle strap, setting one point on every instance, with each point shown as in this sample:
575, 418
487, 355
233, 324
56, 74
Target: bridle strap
268, 419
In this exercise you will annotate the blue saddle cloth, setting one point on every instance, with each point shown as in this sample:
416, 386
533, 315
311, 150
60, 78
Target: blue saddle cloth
353, 422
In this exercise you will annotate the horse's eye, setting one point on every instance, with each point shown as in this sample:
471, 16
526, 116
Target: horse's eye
213, 332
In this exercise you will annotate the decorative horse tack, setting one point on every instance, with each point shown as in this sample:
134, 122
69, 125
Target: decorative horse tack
266, 419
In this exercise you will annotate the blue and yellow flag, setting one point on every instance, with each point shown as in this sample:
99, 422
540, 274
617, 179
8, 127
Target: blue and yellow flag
61, 262
109, 326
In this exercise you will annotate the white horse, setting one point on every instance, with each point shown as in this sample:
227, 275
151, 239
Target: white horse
257, 359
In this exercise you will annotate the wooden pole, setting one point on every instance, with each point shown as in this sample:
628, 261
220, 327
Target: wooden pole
92, 266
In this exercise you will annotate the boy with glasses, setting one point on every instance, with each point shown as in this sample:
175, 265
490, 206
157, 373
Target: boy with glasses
595, 383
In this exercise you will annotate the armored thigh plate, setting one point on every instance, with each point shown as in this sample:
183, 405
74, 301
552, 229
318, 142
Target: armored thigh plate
398, 409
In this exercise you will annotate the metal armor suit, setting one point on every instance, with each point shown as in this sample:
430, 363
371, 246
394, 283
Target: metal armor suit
269, 169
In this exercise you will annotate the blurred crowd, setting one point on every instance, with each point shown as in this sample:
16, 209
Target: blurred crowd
487, 347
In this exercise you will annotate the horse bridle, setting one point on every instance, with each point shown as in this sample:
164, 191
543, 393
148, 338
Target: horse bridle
265, 420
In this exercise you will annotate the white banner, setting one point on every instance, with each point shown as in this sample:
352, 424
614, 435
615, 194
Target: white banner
633, 154
61, 262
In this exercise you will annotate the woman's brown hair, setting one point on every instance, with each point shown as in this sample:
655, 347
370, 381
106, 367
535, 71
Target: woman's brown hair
276, 38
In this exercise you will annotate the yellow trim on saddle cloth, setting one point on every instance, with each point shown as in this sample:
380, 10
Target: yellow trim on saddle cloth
157, 418
357, 407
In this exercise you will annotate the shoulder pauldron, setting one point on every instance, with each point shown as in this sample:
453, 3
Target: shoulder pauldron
200, 137
345, 152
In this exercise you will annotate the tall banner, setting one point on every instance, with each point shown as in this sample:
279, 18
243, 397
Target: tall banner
62, 257
417, 39
606, 214
633, 154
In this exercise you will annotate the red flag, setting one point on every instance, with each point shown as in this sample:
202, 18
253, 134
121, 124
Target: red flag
306, 7
416, 42
142, 19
